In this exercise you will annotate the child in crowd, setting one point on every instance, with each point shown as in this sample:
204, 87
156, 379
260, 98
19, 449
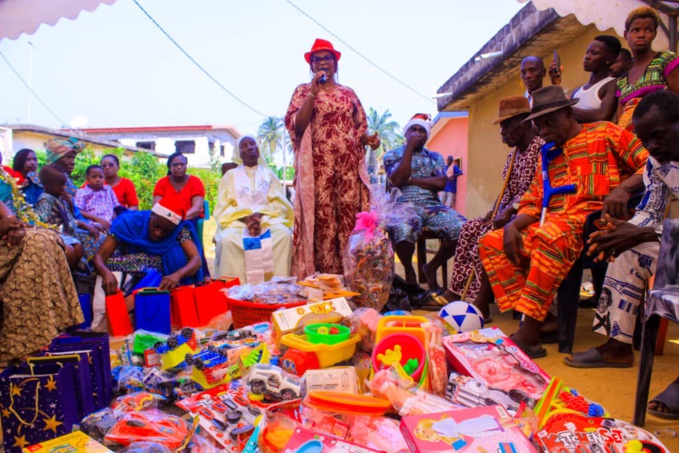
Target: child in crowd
52, 208
95, 200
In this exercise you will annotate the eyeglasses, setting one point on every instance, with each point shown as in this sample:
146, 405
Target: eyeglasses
327, 59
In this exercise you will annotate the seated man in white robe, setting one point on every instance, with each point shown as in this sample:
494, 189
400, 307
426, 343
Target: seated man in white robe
254, 220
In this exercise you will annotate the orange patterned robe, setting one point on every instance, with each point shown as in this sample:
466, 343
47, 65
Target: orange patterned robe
597, 160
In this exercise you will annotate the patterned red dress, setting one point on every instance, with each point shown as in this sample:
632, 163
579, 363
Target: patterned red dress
331, 179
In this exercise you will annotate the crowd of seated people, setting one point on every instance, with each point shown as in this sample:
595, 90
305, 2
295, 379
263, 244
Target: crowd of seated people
602, 138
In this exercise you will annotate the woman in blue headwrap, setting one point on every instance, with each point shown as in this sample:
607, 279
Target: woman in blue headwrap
143, 241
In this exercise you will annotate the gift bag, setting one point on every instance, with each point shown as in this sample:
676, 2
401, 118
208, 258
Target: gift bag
183, 311
369, 262
118, 318
152, 311
210, 301
258, 253
96, 345
82, 378
36, 407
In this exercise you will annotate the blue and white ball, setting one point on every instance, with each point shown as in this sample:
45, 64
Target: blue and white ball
462, 316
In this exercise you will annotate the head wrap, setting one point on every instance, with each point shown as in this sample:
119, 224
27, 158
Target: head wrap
236, 152
419, 119
59, 147
168, 211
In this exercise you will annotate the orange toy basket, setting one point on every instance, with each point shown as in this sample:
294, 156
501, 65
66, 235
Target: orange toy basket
245, 312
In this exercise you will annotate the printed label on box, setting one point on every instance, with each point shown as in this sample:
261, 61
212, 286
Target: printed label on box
332, 379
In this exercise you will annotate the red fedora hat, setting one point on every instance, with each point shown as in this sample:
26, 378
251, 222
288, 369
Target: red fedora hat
322, 44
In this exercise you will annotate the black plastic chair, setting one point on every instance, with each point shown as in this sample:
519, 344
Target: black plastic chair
662, 303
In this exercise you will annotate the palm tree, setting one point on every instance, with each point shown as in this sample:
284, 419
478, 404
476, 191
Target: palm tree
388, 130
270, 135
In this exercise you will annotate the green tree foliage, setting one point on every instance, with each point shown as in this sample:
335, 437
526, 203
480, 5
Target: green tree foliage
270, 136
388, 130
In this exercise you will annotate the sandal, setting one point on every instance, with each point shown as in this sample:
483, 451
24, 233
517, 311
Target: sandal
592, 358
670, 399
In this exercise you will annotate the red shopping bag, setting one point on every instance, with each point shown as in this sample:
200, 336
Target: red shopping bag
210, 301
119, 323
183, 307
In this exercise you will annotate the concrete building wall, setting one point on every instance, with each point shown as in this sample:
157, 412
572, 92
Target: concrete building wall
451, 139
487, 153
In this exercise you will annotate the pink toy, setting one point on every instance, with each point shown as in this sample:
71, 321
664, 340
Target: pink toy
484, 429
401, 348
491, 358
438, 369
363, 321
403, 397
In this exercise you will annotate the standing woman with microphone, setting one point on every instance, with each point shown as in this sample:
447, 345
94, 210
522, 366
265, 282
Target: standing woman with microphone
328, 128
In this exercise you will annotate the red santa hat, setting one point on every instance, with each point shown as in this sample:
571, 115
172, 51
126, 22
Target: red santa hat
419, 119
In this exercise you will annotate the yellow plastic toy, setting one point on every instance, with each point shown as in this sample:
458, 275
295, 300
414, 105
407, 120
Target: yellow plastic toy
401, 324
391, 356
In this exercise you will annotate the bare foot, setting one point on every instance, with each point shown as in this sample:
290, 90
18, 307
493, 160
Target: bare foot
430, 272
550, 324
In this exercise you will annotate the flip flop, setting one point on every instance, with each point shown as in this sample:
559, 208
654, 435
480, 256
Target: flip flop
534, 352
670, 399
592, 358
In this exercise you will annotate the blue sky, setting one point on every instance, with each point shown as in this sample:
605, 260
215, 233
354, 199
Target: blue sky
115, 68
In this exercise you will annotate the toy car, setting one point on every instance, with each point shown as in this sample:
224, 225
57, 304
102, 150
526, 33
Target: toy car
167, 430
176, 339
273, 381
472, 393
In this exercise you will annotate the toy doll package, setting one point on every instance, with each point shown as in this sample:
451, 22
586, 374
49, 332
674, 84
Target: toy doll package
484, 429
491, 358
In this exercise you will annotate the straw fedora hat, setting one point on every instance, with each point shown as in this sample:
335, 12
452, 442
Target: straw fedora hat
549, 99
511, 107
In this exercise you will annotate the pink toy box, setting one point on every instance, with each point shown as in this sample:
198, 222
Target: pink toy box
484, 429
491, 358
329, 443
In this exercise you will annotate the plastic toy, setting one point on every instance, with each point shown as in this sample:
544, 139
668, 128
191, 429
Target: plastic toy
273, 382
211, 367
437, 368
468, 392
164, 429
347, 403
490, 357
173, 352
461, 317
402, 395
326, 333
412, 325
404, 349
303, 355
286, 321
364, 322
483, 429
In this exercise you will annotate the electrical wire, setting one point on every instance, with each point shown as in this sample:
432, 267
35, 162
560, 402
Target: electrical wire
196, 63
428, 98
62, 122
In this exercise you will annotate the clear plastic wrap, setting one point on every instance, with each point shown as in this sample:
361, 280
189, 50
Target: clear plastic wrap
363, 321
369, 262
146, 447
276, 291
149, 426
98, 423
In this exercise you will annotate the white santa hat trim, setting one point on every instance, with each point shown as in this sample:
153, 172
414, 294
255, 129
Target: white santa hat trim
419, 122
165, 213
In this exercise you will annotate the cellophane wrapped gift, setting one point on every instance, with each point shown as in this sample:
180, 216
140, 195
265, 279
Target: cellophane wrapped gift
369, 256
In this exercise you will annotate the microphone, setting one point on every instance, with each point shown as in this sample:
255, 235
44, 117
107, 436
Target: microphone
323, 78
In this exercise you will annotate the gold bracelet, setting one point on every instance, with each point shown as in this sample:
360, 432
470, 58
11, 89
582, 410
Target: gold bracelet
312, 94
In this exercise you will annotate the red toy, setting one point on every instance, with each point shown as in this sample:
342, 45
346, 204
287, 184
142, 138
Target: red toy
164, 429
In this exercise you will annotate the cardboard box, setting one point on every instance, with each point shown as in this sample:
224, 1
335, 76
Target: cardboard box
484, 429
491, 358
75, 442
287, 321
340, 379
330, 443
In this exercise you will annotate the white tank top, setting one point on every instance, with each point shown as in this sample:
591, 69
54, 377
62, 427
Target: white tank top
589, 98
